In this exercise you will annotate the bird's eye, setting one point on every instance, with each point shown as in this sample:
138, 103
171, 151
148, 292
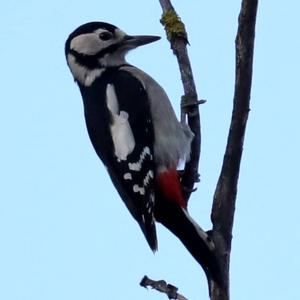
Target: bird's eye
104, 36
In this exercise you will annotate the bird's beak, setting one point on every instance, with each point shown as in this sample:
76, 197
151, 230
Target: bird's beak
134, 41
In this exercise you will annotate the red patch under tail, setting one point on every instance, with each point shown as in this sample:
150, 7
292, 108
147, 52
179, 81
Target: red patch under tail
169, 184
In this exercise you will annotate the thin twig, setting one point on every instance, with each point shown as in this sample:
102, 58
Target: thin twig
163, 287
177, 36
225, 195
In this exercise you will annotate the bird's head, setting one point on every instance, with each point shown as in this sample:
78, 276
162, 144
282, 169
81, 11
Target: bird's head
97, 45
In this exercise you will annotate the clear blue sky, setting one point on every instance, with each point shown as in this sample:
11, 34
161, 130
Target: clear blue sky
64, 232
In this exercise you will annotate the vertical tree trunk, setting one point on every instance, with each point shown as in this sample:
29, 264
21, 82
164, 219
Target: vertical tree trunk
225, 195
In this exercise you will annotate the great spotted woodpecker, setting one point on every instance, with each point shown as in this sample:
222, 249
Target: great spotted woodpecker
136, 134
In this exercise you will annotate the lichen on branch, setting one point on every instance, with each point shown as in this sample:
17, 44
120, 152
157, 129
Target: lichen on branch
173, 25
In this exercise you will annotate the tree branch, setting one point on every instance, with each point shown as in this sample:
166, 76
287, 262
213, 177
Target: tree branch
225, 195
161, 286
177, 36
223, 208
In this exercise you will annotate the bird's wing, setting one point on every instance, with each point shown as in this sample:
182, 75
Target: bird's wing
130, 163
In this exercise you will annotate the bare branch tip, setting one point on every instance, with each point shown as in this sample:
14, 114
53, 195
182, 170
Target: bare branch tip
189, 105
162, 286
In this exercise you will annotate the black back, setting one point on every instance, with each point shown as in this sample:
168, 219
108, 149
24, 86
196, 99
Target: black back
132, 98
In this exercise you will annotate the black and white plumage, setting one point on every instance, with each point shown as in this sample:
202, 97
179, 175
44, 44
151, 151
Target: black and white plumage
136, 134
124, 147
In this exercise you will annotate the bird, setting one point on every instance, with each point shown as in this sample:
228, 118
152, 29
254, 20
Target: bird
136, 134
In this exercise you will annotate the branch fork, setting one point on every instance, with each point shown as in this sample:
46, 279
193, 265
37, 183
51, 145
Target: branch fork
162, 286
223, 207
189, 106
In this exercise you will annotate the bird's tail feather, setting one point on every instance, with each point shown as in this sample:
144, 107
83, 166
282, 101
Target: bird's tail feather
149, 230
197, 242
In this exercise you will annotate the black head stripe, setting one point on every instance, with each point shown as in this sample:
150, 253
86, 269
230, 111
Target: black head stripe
91, 27
110, 49
89, 61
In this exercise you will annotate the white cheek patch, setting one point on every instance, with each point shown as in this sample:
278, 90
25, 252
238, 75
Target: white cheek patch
91, 44
120, 129
87, 43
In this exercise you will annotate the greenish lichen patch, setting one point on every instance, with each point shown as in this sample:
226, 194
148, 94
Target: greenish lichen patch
173, 25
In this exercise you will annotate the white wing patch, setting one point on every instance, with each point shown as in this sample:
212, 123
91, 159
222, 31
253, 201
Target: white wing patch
141, 189
111, 99
138, 189
138, 165
148, 177
127, 176
150, 205
120, 129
